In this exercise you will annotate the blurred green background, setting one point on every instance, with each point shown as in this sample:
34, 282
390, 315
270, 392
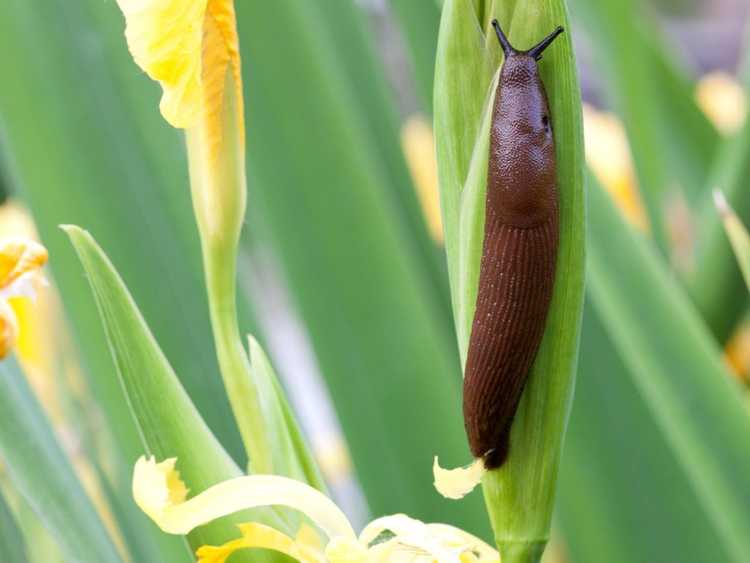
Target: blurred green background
343, 270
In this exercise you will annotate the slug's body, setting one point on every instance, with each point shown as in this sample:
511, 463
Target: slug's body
517, 270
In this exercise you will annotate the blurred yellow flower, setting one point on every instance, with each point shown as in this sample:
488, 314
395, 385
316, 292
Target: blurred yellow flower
608, 155
160, 493
418, 144
20, 262
722, 99
187, 46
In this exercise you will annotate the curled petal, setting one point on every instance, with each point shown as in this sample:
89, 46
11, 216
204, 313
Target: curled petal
19, 257
457, 483
259, 536
165, 38
160, 493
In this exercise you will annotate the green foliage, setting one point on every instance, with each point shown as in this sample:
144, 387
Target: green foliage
679, 372
167, 420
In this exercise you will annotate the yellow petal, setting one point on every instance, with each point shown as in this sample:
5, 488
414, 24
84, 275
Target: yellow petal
165, 38
160, 493
8, 328
258, 536
19, 257
457, 483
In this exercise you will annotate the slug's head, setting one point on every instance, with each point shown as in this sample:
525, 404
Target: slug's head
522, 136
534, 53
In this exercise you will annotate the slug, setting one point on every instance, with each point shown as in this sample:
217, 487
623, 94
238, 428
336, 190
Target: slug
519, 253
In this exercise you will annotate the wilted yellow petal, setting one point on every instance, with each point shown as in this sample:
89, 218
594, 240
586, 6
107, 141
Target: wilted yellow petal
414, 541
258, 536
457, 483
18, 257
160, 493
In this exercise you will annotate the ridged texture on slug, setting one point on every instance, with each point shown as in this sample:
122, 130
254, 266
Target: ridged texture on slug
517, 269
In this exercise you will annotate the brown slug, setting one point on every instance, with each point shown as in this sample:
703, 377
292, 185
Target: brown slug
519, 253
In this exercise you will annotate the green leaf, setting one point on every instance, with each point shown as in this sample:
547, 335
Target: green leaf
616, 463
676, 366
290, 452
347, 248
520, 495
12, 542
42, 473
168, 422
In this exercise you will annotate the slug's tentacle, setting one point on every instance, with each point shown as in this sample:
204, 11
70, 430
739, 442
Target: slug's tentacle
519, 254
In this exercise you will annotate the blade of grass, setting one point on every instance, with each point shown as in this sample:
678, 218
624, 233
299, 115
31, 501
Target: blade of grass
168, 422
365, 296
42, 473
676, 366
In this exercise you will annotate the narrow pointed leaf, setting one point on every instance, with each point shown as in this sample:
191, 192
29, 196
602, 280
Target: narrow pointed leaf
169, 423
676, 366
614, 442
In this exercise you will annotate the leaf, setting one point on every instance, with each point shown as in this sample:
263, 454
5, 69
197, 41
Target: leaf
290, 451
616, 463
42, 473
677, 368
359, 282
168, 422
520, 495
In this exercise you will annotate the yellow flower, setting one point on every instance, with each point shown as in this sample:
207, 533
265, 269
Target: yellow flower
161, 494
20, 262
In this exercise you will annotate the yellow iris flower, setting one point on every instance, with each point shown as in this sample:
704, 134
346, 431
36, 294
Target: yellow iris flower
20, 262
160, 493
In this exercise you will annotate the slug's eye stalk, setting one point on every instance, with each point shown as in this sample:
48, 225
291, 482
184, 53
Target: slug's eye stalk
504, 43
536, 50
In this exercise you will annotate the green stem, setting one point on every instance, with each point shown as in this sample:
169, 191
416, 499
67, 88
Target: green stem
220, 270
